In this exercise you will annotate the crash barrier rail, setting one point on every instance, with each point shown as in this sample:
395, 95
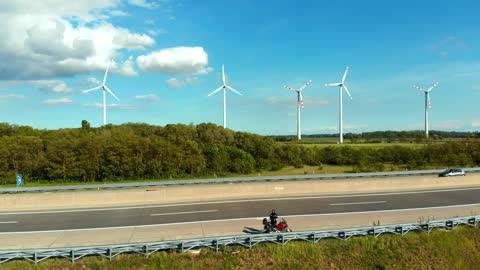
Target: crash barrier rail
248, 241
227, 180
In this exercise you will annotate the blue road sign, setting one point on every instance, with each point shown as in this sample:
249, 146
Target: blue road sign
19, 180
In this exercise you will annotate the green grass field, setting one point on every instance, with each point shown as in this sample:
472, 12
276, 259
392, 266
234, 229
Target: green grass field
441, 250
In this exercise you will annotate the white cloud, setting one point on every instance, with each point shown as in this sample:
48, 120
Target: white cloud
447, 45
56, 38
11, 96
117, 106
177, 60
179, 83
144, 3
119, 13
150, 97
55, 87
156, 32
57, 101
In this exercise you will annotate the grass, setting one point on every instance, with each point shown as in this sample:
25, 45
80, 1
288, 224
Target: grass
442, 250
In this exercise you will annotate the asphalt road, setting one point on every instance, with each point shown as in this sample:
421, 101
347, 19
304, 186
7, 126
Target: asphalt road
193, 212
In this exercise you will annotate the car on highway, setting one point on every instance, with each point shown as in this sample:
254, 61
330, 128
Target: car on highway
452, 172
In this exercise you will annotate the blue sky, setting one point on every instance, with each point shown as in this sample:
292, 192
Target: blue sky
167, 57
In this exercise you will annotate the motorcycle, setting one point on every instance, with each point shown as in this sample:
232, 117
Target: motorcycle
274, 227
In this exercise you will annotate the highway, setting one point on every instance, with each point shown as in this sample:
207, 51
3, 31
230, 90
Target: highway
77, 219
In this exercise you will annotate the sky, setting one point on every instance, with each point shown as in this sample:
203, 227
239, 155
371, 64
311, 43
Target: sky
166, 56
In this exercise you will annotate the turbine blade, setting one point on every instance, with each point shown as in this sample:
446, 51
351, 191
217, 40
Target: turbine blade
306, 84
216, 90
333, 84
110, 91
345, 75
301, 99
419, 88
223, 75
91, 89
288, 87
106, 72
234, 90
429, 101
433, 86
346, 90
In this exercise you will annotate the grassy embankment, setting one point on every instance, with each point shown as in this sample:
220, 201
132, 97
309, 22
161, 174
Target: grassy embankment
457, 249
289, 170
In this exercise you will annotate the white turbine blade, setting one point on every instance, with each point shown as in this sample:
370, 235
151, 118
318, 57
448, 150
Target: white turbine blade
289, 88
346, 90
306, 84
234, 90
345, 75
429, 101
301, 99
223, 75
333, 84
433, 86
95, 88
419, 88
216, 90
110, 91
106, 72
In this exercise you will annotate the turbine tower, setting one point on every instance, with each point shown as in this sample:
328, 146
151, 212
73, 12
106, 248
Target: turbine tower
224, 87
341, 85
299, 105
428, 103
105, 89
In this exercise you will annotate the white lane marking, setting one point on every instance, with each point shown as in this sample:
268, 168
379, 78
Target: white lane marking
183, 213
355, 203
236, 201
8, 222
240, 219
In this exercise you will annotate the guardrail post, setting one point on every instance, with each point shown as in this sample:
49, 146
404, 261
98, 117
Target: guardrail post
110, 253
399, 230
147, 250
72, 258
449, 225
35, 258
341, 235
472, 221
216, 244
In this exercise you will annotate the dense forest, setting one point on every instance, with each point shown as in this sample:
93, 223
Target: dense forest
141, 151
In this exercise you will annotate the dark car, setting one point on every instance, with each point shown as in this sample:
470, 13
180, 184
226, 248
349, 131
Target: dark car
452, 172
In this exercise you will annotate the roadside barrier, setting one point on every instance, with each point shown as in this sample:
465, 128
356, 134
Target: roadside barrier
249, 241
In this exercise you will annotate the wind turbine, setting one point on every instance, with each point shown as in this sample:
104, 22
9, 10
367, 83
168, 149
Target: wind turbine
340, 86
428, 103
224, 87
299, 104
105, 89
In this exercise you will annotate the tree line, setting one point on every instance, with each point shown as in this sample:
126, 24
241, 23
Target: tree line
141, 151
390, 136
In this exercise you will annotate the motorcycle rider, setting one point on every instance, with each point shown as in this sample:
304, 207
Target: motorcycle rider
273, 217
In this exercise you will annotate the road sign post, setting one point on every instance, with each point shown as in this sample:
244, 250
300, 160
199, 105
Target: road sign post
19, 180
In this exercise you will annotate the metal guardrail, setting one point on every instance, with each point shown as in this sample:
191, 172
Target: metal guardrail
227, 180
217, 243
